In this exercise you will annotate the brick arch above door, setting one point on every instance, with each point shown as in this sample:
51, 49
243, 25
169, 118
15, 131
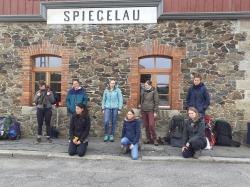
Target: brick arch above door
45, 48
155, 49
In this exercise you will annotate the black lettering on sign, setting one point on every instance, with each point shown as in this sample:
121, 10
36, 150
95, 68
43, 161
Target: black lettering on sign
90, 15
75, 15
136, 15
66, 18
116, 16
108, 15
126, 16
100, 15
83, 15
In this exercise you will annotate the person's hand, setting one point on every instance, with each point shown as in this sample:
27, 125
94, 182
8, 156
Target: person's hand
155, 114
187, 144
131, 146
183, 148
103, 111
119, 111
38, 94
48, 93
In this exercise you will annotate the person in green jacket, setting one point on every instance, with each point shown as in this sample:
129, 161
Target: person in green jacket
112, 102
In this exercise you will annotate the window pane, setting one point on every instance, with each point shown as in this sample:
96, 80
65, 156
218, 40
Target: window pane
163, 62
146, 63
163, 89
40, 76
47, 61
55, 77
55, 87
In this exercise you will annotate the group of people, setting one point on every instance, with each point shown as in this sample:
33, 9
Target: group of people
112, 101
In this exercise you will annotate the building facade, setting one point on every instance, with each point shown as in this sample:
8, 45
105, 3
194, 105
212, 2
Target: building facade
130, 41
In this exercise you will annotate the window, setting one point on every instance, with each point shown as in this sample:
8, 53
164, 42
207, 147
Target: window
47, 68
158, 70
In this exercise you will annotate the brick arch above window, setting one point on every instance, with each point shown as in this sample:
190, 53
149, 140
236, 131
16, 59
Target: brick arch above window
155, 49
45, 48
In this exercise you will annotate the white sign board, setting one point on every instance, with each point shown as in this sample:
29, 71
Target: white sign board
102, 15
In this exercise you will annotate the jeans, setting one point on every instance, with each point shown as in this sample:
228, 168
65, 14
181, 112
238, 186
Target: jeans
134, 152
44, 114
77, 149
149, 123
110, 114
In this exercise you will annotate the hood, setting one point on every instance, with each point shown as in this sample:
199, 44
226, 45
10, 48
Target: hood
198, 86
73, 91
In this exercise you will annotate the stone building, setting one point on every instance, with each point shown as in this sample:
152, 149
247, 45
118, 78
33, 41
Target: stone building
130, 41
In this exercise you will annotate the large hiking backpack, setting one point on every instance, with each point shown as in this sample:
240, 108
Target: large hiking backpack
175, 132
14, 132
223, 133
209, 130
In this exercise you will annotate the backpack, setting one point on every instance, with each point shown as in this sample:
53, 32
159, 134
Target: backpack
223, 132
5, 123
14, 132
175, 132
209, 130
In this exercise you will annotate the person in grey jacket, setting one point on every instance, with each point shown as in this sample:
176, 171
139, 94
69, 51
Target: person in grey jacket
194, 139
149, 109
43, 100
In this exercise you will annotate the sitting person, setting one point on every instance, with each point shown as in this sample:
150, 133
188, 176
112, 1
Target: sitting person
131, 134
193, 135
79, 131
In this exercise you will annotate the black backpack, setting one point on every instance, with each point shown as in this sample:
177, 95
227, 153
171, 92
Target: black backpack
223, 133
174, 136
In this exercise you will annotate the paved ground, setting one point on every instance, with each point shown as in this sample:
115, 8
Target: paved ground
123, 173
98, 149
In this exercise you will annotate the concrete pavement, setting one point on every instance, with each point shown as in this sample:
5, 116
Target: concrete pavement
98, 150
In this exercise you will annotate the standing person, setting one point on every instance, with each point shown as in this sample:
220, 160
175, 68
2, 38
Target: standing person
149, 109
194, 139
75, 95
112, 102
198, 96
131, 132
79, 131
43, 100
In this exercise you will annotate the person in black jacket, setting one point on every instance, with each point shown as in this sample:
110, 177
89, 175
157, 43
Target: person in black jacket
79, 131
193, 134
198, 96
131, 132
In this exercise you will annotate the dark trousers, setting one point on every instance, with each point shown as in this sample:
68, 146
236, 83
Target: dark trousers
77, 149
196, 145
44, 114
149, 123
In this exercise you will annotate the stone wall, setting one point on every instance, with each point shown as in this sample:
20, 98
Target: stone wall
214, 49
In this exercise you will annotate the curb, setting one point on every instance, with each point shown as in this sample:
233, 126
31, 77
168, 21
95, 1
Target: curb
49, 155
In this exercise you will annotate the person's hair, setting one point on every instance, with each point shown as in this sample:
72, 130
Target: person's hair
132, 111
41, 83
149, 82
193, 109
197, 75
85, 110
73, 80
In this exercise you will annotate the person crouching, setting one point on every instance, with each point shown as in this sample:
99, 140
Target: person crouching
131, 134
79, 131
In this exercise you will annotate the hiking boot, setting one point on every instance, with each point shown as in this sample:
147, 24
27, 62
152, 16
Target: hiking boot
124, 149
38, 139
106, 138
197, 154
49, 140
156, 143
111, 138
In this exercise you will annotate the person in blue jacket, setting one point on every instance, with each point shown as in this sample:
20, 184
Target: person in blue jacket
198, 96
131, 132
75, 96
112, 102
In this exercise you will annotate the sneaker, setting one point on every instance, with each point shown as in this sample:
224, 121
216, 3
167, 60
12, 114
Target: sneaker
38, 139
106, 138
156, 143
197, 154
111, 138
124, 149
